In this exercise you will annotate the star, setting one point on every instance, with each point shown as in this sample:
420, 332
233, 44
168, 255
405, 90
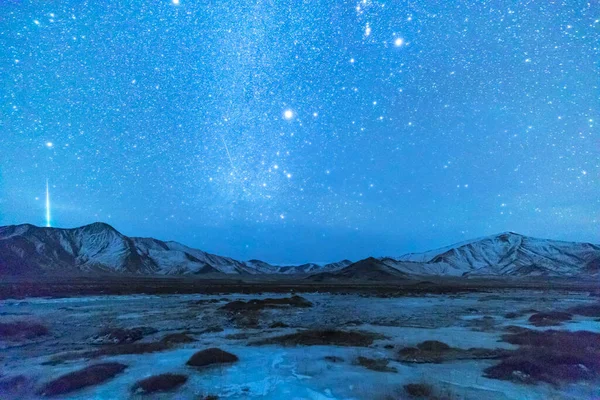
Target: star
288, 114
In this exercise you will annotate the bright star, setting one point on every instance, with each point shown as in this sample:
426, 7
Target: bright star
175, 2
288, 114
398, 42
49, 145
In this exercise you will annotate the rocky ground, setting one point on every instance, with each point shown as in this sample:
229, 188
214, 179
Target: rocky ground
492, 344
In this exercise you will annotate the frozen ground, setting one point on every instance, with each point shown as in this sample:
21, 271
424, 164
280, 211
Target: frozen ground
278, 372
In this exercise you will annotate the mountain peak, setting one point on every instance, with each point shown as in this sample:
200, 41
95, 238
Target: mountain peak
508, 233
98, 227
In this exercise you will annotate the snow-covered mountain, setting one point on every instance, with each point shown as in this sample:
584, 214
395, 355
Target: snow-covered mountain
27, 249
507, 253
297, 269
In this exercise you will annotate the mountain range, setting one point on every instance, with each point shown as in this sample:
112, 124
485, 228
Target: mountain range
99, 248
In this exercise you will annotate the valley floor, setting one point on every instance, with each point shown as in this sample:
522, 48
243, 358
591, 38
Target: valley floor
351, 345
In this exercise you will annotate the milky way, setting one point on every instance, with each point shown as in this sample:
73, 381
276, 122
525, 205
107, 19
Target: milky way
303, 131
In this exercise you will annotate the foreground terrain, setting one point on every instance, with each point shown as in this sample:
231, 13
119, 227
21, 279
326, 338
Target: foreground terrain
490, 343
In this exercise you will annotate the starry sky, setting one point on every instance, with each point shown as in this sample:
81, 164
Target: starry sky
303, 130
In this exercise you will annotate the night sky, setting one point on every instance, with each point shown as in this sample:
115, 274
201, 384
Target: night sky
303, 131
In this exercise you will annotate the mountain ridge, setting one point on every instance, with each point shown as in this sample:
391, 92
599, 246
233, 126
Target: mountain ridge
99, 247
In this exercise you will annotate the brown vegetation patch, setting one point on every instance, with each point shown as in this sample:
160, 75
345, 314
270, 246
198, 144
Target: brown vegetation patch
110, 350
375, 364
159, 383
204, 301
565, 340
211, 356
551, 318
121, 335
174, 338
549, 356
131, 348
89, 376
515, 329
433, 345
18, 330
238, 336
318, 337
433, 351
483, 324
552, 366
212, 329
257, 304
247, 320
589, 310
